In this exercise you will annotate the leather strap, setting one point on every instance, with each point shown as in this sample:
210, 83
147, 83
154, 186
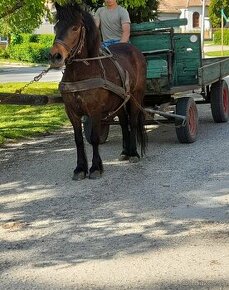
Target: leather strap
89, 84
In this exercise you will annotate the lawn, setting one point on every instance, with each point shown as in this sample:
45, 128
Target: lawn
217, 53
17, 122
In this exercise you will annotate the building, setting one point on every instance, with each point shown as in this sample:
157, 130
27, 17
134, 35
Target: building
190, 9
46, 27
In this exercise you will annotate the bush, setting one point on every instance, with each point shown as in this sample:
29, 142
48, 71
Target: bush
46, 39
32, 52
4, 53
217, 36
16, 39
30, 47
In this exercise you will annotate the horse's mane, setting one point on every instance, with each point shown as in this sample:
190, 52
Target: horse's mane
69, 13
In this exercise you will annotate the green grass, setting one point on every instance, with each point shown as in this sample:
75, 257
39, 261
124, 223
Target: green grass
42, 88
217, 53
17, 122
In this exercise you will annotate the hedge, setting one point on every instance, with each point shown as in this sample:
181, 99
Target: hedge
31, 52
217, 36
30, 47
32, 38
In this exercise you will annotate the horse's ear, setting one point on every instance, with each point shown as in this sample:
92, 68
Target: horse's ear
57, 6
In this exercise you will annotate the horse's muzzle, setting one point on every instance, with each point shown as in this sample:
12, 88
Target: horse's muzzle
56, 60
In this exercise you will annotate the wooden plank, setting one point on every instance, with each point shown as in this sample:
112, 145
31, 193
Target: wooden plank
144, 26
214, 71
26, 99
152, 42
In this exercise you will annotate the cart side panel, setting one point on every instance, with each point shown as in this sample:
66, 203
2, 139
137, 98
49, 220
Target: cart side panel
187, 58
213, 70
149, 26
152, 42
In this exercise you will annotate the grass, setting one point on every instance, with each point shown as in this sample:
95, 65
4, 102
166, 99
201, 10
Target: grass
42, 88
217, 53
17, 122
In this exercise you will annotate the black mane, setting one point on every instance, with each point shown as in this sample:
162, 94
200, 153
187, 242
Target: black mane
72, 14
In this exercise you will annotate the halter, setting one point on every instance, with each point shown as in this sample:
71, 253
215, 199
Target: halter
76, 49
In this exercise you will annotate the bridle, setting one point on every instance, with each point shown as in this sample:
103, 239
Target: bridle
76, 49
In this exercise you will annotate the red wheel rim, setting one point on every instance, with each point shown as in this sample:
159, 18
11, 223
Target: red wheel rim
225, 101
192, 121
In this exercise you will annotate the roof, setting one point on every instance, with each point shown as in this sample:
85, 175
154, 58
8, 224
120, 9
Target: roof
174, 6
194, 3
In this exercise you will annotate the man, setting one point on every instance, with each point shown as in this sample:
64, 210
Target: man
114, 23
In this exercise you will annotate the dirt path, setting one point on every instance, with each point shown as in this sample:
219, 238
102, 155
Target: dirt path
158, 224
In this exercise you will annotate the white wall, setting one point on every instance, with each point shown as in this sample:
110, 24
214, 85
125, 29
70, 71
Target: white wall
188, 13
45, 28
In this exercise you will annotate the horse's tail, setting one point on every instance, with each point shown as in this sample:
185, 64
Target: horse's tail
141, 132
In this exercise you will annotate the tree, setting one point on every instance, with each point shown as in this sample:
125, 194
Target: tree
23, 16
215, 11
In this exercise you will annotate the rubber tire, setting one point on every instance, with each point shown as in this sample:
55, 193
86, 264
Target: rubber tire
187, 107
87, 131
220, 101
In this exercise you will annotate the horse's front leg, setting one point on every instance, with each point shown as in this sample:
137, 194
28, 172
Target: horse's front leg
81, 169
96, 169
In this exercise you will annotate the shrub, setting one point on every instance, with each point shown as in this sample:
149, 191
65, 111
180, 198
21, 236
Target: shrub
32, 52
46, 39
217, 36
30, 47
16, 39
4, 53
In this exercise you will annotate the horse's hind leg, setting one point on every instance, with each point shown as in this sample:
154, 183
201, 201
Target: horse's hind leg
134, 156
96, 169
124, 123
136, 122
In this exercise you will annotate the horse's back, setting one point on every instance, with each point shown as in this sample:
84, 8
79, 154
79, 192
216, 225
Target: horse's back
132, 60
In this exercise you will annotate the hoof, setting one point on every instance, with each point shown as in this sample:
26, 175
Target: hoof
95, 174
123, 157
79, 176
134, 159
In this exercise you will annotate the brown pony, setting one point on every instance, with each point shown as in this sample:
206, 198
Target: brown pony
98, 85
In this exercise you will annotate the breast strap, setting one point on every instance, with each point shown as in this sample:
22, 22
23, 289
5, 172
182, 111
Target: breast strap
89, 84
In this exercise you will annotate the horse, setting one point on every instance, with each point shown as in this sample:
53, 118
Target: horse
98, 84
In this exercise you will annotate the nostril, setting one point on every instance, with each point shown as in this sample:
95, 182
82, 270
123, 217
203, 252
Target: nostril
57, 56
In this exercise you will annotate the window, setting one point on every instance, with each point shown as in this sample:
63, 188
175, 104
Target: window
196, 20
3, 39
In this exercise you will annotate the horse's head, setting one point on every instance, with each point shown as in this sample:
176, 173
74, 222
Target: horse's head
76, 35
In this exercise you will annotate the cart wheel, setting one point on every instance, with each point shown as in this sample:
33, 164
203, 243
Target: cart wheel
220, 101
87, 131
187, 132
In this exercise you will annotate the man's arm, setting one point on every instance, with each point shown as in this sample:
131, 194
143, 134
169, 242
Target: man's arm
125, 32
97, 22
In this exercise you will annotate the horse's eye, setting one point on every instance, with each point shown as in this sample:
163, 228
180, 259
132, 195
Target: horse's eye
75, 28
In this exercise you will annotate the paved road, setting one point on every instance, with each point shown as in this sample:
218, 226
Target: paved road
10, 73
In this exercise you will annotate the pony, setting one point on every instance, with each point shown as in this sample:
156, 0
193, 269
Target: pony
98, 84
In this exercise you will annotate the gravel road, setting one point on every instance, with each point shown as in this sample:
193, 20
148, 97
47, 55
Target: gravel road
158, 224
